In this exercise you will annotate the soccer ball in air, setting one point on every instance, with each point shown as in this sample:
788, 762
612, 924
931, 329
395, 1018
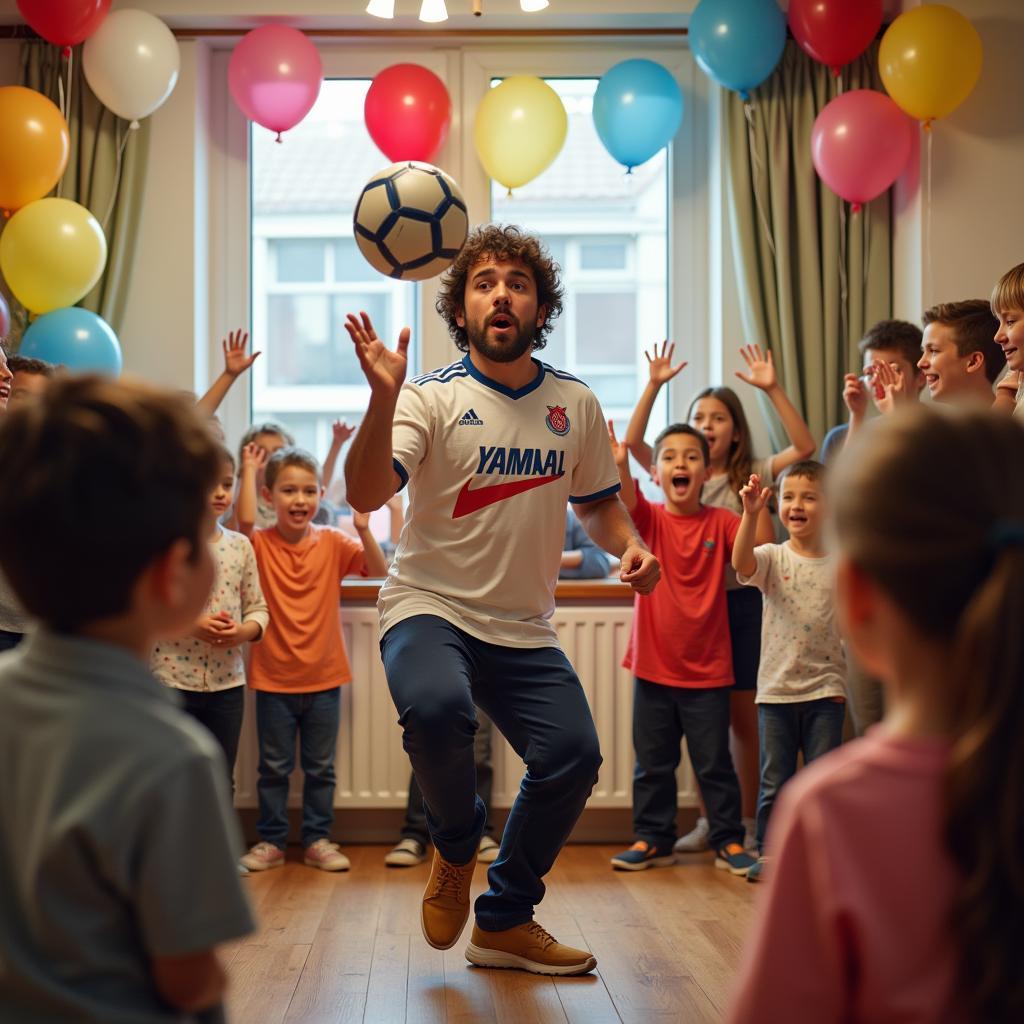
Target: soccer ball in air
410, 221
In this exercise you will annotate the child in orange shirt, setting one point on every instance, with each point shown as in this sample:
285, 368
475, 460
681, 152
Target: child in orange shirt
299, 668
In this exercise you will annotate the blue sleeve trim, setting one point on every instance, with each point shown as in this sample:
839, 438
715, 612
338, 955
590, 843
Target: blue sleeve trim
401, 471
606, 493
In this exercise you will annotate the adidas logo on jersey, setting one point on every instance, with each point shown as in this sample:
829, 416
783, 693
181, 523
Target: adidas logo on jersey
470, 419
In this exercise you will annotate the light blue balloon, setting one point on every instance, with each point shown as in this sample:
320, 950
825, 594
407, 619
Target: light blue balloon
637, 110
738, 42
75, 338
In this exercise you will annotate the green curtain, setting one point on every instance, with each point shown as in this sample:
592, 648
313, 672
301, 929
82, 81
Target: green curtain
811, 275
92, 177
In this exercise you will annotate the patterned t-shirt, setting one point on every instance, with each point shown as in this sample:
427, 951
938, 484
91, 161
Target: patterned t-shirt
802, 654
490, 470
191, 664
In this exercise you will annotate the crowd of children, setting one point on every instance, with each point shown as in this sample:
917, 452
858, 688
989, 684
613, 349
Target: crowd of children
738, 651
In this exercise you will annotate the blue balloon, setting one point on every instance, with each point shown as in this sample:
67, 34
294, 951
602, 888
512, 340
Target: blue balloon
738, 42
637, 110
76, 338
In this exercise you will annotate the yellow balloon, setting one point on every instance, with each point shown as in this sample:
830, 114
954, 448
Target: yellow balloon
36, 144
520, 128
930, 60
52, 252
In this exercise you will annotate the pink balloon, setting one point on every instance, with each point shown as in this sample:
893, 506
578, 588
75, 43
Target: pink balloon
860, 144
835, 32
274, 76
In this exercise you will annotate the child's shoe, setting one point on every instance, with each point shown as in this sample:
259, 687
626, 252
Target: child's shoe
696, 840
756, 872
527, 947
488, 852
263, 856
734, 859
642, 855
326, 856
406, 853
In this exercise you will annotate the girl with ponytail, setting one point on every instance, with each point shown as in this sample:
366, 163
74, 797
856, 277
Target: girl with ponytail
898, 889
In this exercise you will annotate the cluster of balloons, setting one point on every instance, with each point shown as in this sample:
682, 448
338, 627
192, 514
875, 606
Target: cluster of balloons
274, 76
929, 59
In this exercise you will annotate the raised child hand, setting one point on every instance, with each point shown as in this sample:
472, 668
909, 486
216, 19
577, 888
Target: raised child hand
754, 496
890, 387
855, 395
360, 520
761, 370
620, 453
341, 432
384, 369
659, 364
254, 457
236, 360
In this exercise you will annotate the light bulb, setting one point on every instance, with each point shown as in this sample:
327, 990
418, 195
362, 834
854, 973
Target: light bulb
381, 8
433, 10
529, 6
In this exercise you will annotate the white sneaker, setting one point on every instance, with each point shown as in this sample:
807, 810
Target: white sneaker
407, 853
488, 851
326, 856
262, 856
695, 841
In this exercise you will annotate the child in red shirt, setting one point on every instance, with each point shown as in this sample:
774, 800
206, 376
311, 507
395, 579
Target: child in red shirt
680, 654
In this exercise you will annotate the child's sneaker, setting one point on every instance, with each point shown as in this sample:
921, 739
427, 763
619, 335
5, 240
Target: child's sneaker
488, 852
406, 853
642, 855
527, 947
326, 856
263, 856
696, 840
734, 859
756, 872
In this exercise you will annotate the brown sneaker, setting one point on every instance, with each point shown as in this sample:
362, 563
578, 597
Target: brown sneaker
446, 901
527, 947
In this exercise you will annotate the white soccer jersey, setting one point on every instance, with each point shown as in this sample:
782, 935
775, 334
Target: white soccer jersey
490, 471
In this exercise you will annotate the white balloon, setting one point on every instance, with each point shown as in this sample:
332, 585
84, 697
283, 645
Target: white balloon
131, 62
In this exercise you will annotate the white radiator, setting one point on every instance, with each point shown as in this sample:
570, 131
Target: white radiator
372, 768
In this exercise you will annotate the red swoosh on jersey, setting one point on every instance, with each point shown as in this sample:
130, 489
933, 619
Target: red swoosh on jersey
472, 500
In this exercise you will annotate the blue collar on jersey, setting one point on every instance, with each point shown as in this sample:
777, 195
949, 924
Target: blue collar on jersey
501, 388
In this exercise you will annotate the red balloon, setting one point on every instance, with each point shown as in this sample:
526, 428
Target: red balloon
408, 111
860, 144
835, 32
64, 22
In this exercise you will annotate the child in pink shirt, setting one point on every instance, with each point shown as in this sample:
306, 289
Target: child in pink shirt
896, 894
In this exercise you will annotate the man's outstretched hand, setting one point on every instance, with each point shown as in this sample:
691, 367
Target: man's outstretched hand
383, 368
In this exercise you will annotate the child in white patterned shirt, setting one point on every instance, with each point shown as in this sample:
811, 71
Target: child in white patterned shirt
801, 692
207, 666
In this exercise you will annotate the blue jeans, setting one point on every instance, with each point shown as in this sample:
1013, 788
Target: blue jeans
662, 717
436, 673
221, 712
812, 726
314, 716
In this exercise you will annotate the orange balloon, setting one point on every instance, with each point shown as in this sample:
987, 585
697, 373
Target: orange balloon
35, 143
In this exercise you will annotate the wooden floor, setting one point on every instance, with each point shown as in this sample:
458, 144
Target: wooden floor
348, 947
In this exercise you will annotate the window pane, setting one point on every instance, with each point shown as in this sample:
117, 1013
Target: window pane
603, 256
307, 272
299, 259
605, 326
609, 233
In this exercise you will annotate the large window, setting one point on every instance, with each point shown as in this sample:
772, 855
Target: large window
307, 272
608, 231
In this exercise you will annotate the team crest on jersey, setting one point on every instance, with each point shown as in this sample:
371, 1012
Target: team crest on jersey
557, 421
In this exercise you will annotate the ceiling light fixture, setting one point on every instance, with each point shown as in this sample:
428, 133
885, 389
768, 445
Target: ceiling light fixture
433, 11
381, 8
531, 6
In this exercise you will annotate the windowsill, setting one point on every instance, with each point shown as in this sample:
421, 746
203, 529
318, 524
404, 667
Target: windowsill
599, 591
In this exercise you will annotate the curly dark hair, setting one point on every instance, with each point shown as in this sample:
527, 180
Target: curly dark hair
507, 243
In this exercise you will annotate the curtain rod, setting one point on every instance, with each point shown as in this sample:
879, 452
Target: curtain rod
24, 32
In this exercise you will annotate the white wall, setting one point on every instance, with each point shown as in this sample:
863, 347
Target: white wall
975, 213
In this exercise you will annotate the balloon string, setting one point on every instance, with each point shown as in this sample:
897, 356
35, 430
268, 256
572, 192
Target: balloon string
758, 168
121, 143
65, 97
928, 211
844, 282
